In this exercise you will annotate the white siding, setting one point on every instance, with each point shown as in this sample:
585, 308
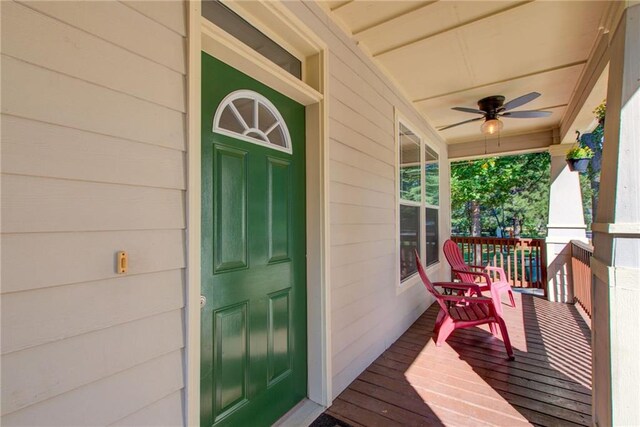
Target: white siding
366, 314
93, 162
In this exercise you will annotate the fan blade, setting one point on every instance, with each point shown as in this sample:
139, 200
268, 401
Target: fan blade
461, 123
526, 114
469, 110
515, 103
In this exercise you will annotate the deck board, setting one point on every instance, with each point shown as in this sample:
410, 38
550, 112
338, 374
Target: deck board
469, 381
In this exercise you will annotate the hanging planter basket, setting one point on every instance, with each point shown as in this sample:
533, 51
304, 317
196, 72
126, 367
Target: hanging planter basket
578, 165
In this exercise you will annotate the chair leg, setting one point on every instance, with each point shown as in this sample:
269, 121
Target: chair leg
513, 301
439, 318
497, 301
492, 328
505, 337
446, 327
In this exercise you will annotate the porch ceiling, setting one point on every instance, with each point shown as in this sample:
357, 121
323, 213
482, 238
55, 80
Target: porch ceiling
444, 54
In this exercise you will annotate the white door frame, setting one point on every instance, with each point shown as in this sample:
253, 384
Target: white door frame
280, 24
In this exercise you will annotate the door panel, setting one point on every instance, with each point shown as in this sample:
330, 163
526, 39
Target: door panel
279, 351
278, 175
253, 333
231, 358
230, 208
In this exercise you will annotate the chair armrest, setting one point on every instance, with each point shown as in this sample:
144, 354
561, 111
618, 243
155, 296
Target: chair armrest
467, 300
466, 266
460, 286
501, 274
475, 273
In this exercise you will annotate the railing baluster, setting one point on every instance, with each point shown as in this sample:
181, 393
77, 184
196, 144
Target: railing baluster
581, 269
524, 260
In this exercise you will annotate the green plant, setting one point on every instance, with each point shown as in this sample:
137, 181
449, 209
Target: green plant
580, 153
601, 110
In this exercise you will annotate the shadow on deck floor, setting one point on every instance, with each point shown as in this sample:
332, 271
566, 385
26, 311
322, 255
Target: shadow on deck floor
468, 381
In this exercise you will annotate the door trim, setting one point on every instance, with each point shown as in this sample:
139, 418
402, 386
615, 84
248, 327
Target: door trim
272, 18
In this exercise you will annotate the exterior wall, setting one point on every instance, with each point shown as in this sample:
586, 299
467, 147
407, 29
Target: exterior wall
93, 142
367, 314
93, 162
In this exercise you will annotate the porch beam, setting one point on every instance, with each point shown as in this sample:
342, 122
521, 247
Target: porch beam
503, 146
590, 89
510, 79
376, 24
341, 5
446, 30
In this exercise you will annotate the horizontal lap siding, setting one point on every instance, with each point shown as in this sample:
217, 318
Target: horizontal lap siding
93, 162
366, 313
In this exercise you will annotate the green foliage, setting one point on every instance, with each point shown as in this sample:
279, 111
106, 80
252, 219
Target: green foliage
587, 197
432, 184
511, 191
580, 152
601, 110
590, 181
410, 183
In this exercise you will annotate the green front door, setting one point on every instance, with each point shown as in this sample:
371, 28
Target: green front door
254, 362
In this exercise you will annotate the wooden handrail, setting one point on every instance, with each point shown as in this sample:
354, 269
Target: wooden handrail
581, 270
523, 260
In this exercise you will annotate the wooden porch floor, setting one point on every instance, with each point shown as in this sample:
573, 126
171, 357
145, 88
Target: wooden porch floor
468, 381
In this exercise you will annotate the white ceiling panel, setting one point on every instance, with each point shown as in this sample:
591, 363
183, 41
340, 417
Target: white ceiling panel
452, 53
427, 21
530, 38
558, 86
442, 70
359, 15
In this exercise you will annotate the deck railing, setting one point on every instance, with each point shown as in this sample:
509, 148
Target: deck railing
581, 269
523, 260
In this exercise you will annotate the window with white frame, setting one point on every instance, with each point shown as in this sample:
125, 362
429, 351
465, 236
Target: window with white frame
418, 202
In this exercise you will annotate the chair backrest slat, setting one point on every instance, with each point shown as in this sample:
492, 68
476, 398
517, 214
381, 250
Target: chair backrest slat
427, 283
454, 257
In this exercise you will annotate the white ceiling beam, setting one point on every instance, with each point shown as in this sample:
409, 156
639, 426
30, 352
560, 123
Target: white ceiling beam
503, 146
452, 28
598, 60
592, 85
333, 9
376, 24
535, 73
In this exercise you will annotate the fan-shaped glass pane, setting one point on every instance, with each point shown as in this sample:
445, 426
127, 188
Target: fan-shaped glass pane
245, 108
230, 122
266, 119
277, 137
257, 135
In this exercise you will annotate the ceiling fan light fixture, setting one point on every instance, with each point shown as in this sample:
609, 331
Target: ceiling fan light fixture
491, 126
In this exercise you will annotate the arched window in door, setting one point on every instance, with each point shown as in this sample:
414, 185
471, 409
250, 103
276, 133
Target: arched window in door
251, 117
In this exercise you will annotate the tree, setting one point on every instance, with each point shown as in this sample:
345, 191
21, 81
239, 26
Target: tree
500, 192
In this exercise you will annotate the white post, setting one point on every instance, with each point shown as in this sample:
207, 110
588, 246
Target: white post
616, 260
566, 223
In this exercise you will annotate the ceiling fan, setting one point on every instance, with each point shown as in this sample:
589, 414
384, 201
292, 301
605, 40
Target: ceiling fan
493, 107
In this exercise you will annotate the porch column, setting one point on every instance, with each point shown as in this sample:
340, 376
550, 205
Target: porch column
615, 263
566, 223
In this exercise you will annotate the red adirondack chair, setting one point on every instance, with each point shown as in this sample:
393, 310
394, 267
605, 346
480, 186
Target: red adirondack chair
469, 273
462, 311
